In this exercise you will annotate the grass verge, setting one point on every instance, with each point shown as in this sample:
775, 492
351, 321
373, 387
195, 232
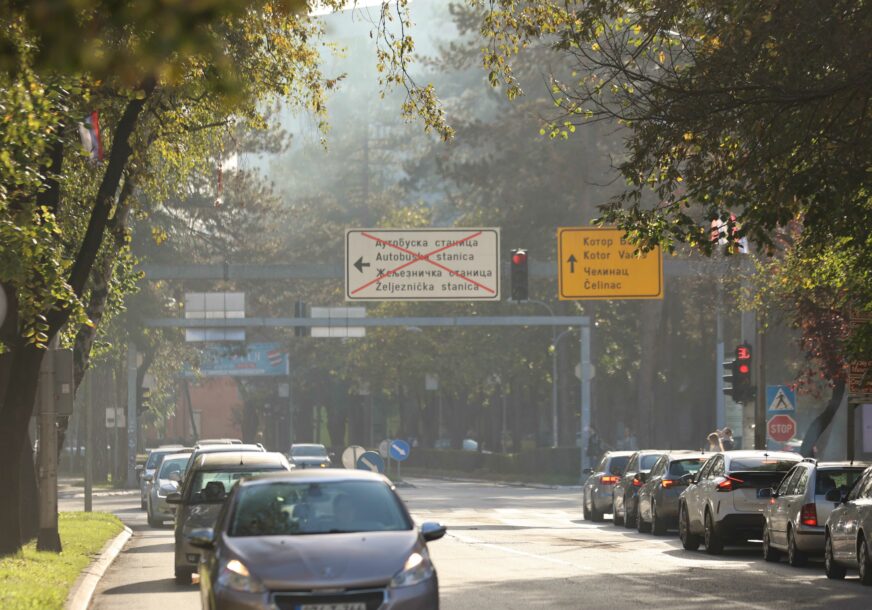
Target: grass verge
31, 579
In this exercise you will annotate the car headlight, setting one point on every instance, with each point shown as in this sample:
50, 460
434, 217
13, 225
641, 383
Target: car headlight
234, 575
417, 569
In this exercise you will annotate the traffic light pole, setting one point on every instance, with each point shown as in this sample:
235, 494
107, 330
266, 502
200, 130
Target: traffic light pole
760, 400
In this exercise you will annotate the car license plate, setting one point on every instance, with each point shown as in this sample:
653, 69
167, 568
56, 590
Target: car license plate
351, 606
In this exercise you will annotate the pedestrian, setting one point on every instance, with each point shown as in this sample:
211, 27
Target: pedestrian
595, 447
727, 441
714, 442
629, 442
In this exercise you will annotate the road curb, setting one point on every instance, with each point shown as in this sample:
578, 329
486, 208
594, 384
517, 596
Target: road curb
84, 587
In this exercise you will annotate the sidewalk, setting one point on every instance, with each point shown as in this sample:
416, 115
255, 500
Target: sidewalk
68, 489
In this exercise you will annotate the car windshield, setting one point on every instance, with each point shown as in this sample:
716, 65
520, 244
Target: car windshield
333, 507
679, 468
154, 458
213, 486
761, 464
173, 465
618, 464
842, 479
315, 451
648, 461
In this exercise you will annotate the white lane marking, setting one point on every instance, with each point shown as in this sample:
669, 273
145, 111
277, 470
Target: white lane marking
499, 547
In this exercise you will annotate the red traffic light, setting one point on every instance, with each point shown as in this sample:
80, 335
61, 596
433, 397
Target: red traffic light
519, 258
744, 369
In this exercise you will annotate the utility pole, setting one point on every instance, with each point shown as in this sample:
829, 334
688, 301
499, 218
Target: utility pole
48, 539
760, 400
89, 441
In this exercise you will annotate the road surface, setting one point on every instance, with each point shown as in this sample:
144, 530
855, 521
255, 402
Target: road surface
517, 547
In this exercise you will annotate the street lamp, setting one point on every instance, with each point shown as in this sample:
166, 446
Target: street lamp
552, 349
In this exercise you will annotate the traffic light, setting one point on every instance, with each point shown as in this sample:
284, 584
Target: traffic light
301, 310
519, 274
738, 375
743, 390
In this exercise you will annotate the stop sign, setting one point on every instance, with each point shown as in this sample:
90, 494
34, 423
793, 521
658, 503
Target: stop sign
781, 428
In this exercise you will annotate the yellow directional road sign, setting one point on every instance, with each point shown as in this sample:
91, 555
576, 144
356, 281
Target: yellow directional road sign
598, 263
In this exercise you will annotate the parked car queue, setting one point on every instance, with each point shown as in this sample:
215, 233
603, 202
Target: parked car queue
799, 507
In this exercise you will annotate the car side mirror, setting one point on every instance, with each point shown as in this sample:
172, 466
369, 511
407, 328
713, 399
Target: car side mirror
587, 471
834, 495
202, 538
175, 476
148, 478
766, 493
433, 531
174, 498
641, 477
688, 479
139, 467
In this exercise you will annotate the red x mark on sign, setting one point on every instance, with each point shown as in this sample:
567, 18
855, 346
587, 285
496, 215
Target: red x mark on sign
425, 257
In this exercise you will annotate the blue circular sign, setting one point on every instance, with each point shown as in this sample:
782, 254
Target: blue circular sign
400, 450
372, 462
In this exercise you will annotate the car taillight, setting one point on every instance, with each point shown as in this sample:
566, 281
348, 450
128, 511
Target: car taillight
609, 479
729, 483
667, 483
808, 515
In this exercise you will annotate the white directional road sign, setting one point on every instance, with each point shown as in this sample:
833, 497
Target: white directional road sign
422, 265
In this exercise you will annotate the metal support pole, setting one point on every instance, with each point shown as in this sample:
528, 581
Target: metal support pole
48, 539
720, 406
554, 394
760, 402
851, 432
89, 441
131, 415
585, 398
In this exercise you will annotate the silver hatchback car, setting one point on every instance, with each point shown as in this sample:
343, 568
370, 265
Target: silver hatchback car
798, 510
317, 539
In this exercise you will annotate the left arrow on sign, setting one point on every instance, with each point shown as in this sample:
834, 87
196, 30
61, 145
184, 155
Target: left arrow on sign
359, 265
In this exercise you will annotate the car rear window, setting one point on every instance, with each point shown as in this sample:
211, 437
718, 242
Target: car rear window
648, 461
679, 468
618, 463
842, 479
761, 464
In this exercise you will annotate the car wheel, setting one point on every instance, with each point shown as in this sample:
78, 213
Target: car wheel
585, 515
658, 525
183, 575
834, 571
595, 515
769, 553
142, 504
714, 544
795, 557
641, 526
617, 520
689, 540
154, 522
629, 518
864, 561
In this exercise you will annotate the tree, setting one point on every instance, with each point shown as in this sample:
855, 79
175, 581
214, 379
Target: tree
159, 117
754, 115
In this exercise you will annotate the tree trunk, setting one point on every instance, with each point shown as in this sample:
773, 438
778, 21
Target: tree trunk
822, 421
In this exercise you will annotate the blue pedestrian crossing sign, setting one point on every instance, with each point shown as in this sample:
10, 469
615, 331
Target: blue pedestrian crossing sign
780, 399
372, 462
399, 450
